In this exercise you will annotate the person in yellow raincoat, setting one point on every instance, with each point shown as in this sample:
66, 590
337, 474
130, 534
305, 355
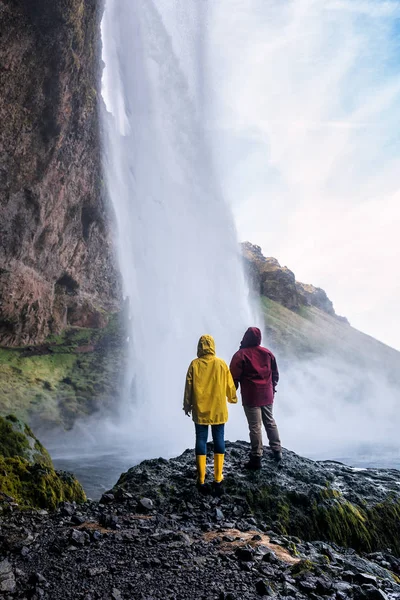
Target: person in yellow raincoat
209, 385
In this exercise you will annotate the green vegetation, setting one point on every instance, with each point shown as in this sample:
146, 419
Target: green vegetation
69, 376
26, 470
303, 566
17, 439
329, 516
37, 485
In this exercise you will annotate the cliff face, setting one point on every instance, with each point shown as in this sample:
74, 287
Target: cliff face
269, 279
56, 259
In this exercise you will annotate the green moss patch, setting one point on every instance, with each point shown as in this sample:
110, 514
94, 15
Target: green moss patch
17, 439
70, 376
26, 470
37, 485
328, 516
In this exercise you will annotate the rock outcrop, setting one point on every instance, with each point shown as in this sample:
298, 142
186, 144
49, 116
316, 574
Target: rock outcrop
268, 278
56, 257
154, 536
27, 474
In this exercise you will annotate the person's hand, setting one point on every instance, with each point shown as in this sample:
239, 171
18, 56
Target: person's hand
187, 411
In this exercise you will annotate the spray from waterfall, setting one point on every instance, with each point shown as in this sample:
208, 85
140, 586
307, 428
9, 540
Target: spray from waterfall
177, 245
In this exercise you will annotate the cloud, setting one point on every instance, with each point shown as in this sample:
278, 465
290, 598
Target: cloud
305, 115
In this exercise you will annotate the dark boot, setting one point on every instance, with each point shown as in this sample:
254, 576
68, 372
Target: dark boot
203, 488
254, 464
218, 489
277, 455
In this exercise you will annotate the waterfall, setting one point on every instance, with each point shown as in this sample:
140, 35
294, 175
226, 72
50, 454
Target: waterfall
177, 245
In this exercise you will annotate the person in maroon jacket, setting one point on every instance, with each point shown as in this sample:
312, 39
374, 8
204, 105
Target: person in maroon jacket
255, 368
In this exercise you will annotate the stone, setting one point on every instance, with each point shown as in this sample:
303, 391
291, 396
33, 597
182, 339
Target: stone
79, 538
8, 585
77, 519
369, 592
107, 498
5, 567
362, 578
263, 588
245, 553
269, 556
67, 509
7, 578
219, 515
146, 503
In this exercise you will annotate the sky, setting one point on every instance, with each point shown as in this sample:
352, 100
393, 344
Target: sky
305, 119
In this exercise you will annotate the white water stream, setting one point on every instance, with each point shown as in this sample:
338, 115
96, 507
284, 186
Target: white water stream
177, 245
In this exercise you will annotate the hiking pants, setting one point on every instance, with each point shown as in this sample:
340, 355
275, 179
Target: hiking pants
217, 435
256, 416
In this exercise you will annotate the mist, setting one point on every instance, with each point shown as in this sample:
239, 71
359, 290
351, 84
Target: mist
304, 117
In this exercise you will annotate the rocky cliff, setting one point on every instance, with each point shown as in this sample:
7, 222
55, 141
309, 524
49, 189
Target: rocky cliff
56, 258
268, 278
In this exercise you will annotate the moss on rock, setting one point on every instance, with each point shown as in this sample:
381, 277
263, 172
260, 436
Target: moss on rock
26, 470
329, 516
37, 485
70, 376
17, 440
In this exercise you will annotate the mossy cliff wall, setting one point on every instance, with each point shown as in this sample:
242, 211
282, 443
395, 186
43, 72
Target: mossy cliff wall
70, 376
56, 257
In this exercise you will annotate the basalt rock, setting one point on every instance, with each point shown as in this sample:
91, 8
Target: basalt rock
268, 278
56, 257
357, 508
180, 549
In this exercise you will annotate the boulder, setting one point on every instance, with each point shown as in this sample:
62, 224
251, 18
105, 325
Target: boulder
27, 475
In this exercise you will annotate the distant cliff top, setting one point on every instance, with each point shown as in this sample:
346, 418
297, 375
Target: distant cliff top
269, 278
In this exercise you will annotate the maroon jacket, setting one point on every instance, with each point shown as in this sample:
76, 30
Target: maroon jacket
255, 368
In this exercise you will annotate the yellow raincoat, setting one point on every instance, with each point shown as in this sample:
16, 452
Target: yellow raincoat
209, 385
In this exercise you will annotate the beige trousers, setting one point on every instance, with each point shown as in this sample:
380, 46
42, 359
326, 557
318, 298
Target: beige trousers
256, 416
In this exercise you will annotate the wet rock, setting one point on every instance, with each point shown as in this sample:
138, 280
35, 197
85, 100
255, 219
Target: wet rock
269, 556
219, 515
7, 577
77, 519
174, 552
366, 578
67, 509
79, 538
369, 592
109, 521
146, 503
245, 553
107, 498
263, 588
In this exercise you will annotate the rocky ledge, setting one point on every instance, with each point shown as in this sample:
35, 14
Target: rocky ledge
268, 278
153, 536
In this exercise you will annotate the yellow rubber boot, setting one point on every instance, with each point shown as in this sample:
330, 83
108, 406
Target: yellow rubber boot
218, 467
201, 468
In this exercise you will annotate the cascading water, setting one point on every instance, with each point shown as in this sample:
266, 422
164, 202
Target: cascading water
177, 244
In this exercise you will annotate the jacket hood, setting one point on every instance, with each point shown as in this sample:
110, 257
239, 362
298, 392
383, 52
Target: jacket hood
205, 346
252, 337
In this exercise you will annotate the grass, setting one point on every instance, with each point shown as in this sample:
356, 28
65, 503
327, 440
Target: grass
70, 376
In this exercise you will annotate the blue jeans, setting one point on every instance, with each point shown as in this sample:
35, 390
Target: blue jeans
217, 435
